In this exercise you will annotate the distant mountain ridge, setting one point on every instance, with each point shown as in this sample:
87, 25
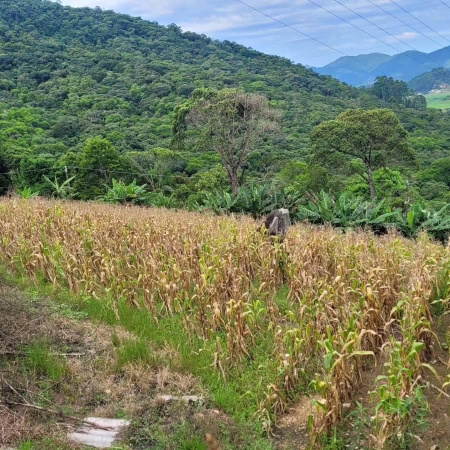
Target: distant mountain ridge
361, 70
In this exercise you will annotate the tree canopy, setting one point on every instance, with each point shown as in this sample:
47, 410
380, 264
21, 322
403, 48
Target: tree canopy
231, 122
70, 75
376, 137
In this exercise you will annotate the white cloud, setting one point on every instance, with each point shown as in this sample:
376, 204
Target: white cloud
214, 24
151, 9
229, 19
407, 36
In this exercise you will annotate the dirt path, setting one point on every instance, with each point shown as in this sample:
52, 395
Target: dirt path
57, 360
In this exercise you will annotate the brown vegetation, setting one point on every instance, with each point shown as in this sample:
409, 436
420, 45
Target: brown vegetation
349, 298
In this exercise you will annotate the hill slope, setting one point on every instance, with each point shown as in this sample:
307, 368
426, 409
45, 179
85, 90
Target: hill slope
69, 74
428, 81
363, 69
98, 72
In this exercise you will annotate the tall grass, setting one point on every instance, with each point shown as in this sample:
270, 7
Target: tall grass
315, 310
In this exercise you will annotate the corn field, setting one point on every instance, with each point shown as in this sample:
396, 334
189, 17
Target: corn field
351, 300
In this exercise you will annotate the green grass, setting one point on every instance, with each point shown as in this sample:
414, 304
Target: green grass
44, 363
44, 444
439, 100
26, 445
134, 351
239, 395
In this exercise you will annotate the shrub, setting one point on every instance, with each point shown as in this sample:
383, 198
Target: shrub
126, 193
346, 212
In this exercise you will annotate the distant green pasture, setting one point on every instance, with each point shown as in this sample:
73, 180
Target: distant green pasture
439, 100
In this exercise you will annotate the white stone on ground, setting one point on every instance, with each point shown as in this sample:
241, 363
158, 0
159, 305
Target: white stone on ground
98, 432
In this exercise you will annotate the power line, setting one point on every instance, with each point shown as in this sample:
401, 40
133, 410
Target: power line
346, 21
362, 30
445, 4
43, 169
387, 32
302, 33
415, 17
404, 23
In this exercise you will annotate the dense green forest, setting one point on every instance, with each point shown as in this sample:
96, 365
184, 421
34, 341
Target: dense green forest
88, 99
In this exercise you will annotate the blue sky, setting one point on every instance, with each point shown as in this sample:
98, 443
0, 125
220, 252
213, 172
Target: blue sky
228, 19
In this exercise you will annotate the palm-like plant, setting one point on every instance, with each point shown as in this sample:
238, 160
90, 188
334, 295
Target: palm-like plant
122, 193
160, 200
346, 212
255, 199
220, 202
419, 218
64, 190
27, 193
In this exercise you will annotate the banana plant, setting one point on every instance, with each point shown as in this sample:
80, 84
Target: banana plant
63, 190
27, 193
418, 218
120, 192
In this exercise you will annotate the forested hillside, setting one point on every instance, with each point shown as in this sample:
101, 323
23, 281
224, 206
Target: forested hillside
431, 80
69, 75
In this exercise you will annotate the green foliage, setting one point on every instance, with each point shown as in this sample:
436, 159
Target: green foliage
408, 411
134, 194
345, 212
95, 167
375, 137
122, 193
4, 176
95, 91
349, 213
391, 185
231, 122
27, 193
133, 352
439, 171
394, 91
430, 80
299, 178
61, 190
419, 218
43, 362
159, 200
26, 445
254, 199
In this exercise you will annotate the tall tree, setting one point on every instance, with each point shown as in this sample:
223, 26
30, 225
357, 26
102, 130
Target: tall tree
231, 122
4, 176
376, 137
97, 164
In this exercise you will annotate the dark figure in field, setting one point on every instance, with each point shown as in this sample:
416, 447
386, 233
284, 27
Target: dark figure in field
278, 222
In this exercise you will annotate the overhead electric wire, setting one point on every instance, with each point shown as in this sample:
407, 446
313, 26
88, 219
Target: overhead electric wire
415, 17
364, 31
404, 23
385, 31
53, 169
349, 23
445, 4
303, 33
